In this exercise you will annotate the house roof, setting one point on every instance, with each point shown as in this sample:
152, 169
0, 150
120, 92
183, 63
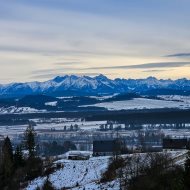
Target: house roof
104, 146
175, 143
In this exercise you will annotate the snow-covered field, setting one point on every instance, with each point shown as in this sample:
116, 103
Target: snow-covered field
52, 125
12, 130
164, 101
78, 174
49, 124
142, 103
177, 133
83, 125
13, 109
103, 97
185, 99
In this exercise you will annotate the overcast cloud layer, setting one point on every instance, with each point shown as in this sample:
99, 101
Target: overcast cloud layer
40, 39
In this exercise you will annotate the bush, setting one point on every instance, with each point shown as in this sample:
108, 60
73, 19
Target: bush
48, 185
111, 173
34, 168
157, 171
146, 172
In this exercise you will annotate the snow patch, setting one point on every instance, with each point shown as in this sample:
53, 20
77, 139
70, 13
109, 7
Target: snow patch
51, 103
75, 174
141, 103
13, 109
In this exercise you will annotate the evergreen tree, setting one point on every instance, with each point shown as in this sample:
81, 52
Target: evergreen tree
187, 171
7, 158
33, 164
30, 141
18, 157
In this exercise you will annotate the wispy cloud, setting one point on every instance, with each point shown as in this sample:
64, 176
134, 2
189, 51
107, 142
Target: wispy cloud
155, 70
68, 63
70, 68
145, 66
179, 55
49, 51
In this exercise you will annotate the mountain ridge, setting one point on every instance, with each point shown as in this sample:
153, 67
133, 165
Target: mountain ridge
86, 85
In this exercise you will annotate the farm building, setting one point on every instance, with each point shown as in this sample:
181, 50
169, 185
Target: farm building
107, 147
176, 144
78, 155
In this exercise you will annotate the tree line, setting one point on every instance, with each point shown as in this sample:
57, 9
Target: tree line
21, 165
149, 172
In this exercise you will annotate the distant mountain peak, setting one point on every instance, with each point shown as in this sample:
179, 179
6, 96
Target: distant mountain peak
101, 77
151, 78
59, 78
86, 85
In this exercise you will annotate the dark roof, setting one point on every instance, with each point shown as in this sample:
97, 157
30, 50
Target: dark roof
104, 146
175, 143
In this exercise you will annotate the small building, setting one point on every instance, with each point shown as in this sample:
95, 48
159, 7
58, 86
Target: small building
176, 144
106, 147
78, 155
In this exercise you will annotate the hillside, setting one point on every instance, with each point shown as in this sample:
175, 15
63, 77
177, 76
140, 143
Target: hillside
80, 175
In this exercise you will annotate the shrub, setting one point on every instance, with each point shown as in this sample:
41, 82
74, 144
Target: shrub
47, 185
111, 172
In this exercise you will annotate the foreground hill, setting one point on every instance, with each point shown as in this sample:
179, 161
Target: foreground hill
86, 174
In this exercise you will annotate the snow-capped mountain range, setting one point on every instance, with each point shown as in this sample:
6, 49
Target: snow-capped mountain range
85, 85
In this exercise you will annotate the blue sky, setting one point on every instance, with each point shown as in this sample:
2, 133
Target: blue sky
40, 39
